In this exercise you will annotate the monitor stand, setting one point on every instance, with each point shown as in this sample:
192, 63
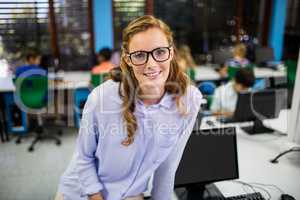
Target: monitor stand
199, 191
195, 192
257, 128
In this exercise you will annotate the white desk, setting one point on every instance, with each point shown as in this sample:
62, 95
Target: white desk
266, 72
204, 73
208, 73
279, 124
77, 79
70, 80
6, 84
254, 153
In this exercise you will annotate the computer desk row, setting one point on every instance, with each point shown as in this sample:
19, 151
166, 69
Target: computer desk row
254, 154
255, 168
77, 79
204, 72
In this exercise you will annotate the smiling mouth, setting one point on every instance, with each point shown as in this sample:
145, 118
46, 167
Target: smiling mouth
152, 75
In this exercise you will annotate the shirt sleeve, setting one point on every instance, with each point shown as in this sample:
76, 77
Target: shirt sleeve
164, 176
216, 101
86, 146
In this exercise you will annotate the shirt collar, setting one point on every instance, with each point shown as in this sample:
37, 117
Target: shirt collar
166, 101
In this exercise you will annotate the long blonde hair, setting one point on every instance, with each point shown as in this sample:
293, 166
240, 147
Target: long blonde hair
176, 83
240, 50
185, 55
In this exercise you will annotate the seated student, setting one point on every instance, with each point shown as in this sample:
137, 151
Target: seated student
239, 59
105, 64
33, 60
225, 97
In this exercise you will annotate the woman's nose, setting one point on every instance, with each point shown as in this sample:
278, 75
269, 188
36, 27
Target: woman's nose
151, 62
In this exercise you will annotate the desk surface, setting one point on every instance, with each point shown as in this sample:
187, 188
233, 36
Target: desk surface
208, 73
279, 124
71, 79
77, 79
6, 84
254, 154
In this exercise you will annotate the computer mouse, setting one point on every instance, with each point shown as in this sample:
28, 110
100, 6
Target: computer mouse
210, 123
287, 197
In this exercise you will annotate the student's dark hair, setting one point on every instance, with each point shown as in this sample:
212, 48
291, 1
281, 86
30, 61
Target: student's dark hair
47, 61
32, 54
106, 53
116, 74
245, 77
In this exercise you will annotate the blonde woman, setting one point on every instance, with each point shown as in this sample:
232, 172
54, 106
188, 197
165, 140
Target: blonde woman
185, 58
239, 59
135, 128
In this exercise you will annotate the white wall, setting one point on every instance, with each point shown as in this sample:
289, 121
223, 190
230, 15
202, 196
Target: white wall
294, 125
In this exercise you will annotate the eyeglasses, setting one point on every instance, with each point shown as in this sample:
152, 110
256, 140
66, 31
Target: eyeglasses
159, 54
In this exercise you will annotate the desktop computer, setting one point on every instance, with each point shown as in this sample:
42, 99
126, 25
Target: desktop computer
210, 155
256, 106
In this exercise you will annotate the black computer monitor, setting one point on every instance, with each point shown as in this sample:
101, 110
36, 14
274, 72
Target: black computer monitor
263, 54
257, 106
221, 55
210, 155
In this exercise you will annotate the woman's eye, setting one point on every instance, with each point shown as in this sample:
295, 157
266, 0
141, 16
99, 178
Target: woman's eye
139, 55
160, 52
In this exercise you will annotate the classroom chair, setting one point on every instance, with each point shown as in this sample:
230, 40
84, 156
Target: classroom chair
80, 97
97, 79
231, 71
31, 96
291, 69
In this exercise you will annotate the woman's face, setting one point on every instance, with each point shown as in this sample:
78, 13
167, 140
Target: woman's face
151, 73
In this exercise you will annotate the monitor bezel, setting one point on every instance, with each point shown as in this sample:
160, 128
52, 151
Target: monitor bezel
215, 180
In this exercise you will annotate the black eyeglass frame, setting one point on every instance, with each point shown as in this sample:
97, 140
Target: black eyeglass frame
150, 52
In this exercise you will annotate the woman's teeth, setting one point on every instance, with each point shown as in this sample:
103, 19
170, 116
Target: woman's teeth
152, 74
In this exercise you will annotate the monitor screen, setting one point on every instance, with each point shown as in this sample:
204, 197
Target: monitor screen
265, 104
210, 155
263, 54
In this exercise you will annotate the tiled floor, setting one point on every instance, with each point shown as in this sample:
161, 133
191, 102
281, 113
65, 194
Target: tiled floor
34, 176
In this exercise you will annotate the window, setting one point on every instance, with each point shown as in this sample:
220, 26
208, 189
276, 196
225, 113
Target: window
72, 32
124, 12
205, 25
202, 24
23, 26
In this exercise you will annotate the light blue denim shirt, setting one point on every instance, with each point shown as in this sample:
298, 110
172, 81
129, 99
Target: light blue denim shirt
102, 163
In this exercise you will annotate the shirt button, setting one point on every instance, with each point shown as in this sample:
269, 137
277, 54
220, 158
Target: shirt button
155, 161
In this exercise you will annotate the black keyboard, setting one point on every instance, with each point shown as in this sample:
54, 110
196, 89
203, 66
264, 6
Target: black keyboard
227, 120
249, 196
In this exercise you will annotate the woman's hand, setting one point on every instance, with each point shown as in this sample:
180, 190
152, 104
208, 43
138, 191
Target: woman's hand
96, 196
